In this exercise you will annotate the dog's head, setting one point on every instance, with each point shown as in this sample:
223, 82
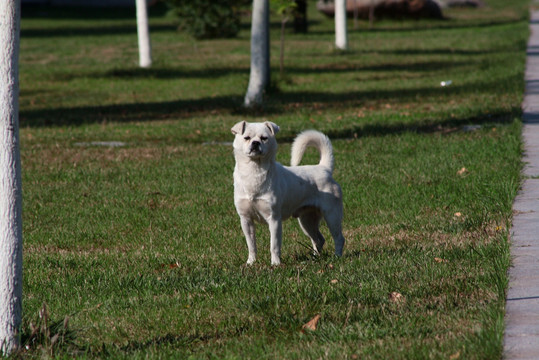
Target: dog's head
255, 140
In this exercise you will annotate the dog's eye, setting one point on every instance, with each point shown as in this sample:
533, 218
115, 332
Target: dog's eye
247, 138
263, 138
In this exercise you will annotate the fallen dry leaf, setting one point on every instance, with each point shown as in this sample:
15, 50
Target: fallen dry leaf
334, 281
462, 171
455, 356
311, 325
164, 267
458, 214
440, 260
396, 298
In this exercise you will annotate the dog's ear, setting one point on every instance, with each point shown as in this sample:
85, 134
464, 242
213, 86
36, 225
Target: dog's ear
274, 128
239, 128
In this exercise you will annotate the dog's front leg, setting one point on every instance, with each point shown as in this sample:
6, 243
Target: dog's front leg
248, 228
276, 231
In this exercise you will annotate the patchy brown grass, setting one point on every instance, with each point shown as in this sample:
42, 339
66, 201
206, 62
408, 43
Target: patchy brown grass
46, 157
385, 236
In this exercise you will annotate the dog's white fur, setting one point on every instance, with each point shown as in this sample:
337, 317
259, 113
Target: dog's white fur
269, 192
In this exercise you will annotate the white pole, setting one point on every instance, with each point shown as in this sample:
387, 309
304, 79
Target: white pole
10, 180
341, 37
144, 47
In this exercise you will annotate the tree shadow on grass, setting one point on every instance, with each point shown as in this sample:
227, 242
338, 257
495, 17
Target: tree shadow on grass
151, 111
341, 67
91, 14
169, 73
338, 65
353, 129
156, 72
426, 25
277, 103
167, 340
45, 11
112, 30
444, 126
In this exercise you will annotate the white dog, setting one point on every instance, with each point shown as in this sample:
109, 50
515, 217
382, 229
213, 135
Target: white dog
269, 192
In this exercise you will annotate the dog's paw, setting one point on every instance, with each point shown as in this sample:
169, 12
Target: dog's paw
250, 261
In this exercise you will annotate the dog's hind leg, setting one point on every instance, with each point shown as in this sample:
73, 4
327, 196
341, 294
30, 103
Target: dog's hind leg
310, 223
333, 219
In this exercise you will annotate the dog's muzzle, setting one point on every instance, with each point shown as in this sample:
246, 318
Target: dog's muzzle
255, 148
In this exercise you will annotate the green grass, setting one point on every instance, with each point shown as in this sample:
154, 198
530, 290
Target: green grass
141, 248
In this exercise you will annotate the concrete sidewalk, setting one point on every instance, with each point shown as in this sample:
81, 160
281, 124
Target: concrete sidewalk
521, 339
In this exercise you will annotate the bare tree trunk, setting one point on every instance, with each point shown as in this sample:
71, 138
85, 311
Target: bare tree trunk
260, 60
10, 180
341, 36
144, 47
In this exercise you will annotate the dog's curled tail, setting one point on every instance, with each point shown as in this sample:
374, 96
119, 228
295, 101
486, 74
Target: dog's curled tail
316, 139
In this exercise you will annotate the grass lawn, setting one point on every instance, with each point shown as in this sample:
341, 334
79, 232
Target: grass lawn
139, 246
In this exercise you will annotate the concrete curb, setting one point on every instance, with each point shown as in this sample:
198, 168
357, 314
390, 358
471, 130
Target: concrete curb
521, 338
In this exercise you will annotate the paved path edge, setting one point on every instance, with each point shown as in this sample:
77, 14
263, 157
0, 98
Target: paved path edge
521, 337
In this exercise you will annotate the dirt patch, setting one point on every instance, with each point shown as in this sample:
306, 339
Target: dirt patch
62, 157
385, 236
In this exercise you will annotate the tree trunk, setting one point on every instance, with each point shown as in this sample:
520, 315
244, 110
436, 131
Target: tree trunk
260, 60
145, 50
10, 180
341, 37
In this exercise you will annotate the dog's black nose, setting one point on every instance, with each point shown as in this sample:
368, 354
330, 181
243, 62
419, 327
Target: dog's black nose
255, 145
